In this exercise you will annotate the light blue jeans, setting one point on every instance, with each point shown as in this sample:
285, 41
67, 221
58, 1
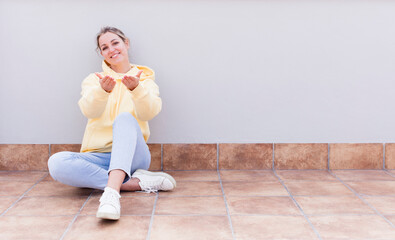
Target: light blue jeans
90, 170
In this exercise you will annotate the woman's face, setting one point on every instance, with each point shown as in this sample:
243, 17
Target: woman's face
113, 49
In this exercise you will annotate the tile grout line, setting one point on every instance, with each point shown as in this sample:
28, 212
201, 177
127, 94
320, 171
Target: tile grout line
348, 169
212, 170
128, 215
297, 204
386, 171
363, 200
202, 215
152, 217
226, 206
342, 214
185, 215
247, 215
75, 216
212, 215
259, 196
23, 195
23, 171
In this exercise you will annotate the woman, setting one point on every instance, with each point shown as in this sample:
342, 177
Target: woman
118, 104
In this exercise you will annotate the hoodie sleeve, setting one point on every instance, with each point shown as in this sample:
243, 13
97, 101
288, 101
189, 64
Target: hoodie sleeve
93, 99
146, 96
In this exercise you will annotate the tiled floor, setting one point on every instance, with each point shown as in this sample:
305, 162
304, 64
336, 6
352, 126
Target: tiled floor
229, 204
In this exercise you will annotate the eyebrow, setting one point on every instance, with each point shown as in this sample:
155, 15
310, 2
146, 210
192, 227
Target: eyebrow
111, 41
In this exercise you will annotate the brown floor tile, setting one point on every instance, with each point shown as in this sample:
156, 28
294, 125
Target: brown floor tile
248, 175
254, 189
24, 157
48, 188
194, 175
390, 156
318, 188
262, 205
333, 205
55, 148
47, 206
301, 156
190, 205
245, 156
6, 202
363, 175
47, 228
356, 156
21, 176
92, 228
385, 205
129, 205
305, 175
353, 227
156, 157
272, 227
374, 188
195, 189
191, 227
189, 156
14, 188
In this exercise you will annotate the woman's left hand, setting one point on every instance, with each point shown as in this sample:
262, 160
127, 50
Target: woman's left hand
132, 82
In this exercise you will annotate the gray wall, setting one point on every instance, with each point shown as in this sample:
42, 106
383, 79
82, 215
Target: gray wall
229, 71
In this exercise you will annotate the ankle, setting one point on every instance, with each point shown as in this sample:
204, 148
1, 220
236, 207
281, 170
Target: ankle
131, 185
115, 188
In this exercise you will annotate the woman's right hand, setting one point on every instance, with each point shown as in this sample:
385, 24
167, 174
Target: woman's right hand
107, 82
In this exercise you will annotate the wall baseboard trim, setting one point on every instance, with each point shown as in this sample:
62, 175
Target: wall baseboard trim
226, 156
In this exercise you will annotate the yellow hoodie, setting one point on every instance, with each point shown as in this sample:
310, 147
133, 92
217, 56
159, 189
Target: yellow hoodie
101, 108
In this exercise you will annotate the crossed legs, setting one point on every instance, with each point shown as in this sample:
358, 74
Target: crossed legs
98, 170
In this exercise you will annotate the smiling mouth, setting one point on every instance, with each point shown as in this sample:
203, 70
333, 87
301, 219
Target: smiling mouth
115, 55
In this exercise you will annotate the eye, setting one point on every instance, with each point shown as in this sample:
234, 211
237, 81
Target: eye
115, 43
104, 48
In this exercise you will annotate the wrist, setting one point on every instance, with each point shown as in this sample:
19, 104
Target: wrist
131, 89
106, 90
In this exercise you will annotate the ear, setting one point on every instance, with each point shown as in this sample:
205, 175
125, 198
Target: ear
127, 43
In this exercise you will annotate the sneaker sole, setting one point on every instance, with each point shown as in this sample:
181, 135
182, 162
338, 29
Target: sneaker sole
172, 180
109, 216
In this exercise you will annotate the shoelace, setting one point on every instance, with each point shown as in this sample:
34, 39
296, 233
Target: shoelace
109, 198
151, 186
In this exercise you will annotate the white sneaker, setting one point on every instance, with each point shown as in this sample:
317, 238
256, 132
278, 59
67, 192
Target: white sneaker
154, 181
110, 207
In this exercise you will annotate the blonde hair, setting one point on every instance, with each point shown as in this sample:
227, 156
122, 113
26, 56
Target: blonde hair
112, 30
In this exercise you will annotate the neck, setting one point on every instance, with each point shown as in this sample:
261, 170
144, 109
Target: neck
123, 67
